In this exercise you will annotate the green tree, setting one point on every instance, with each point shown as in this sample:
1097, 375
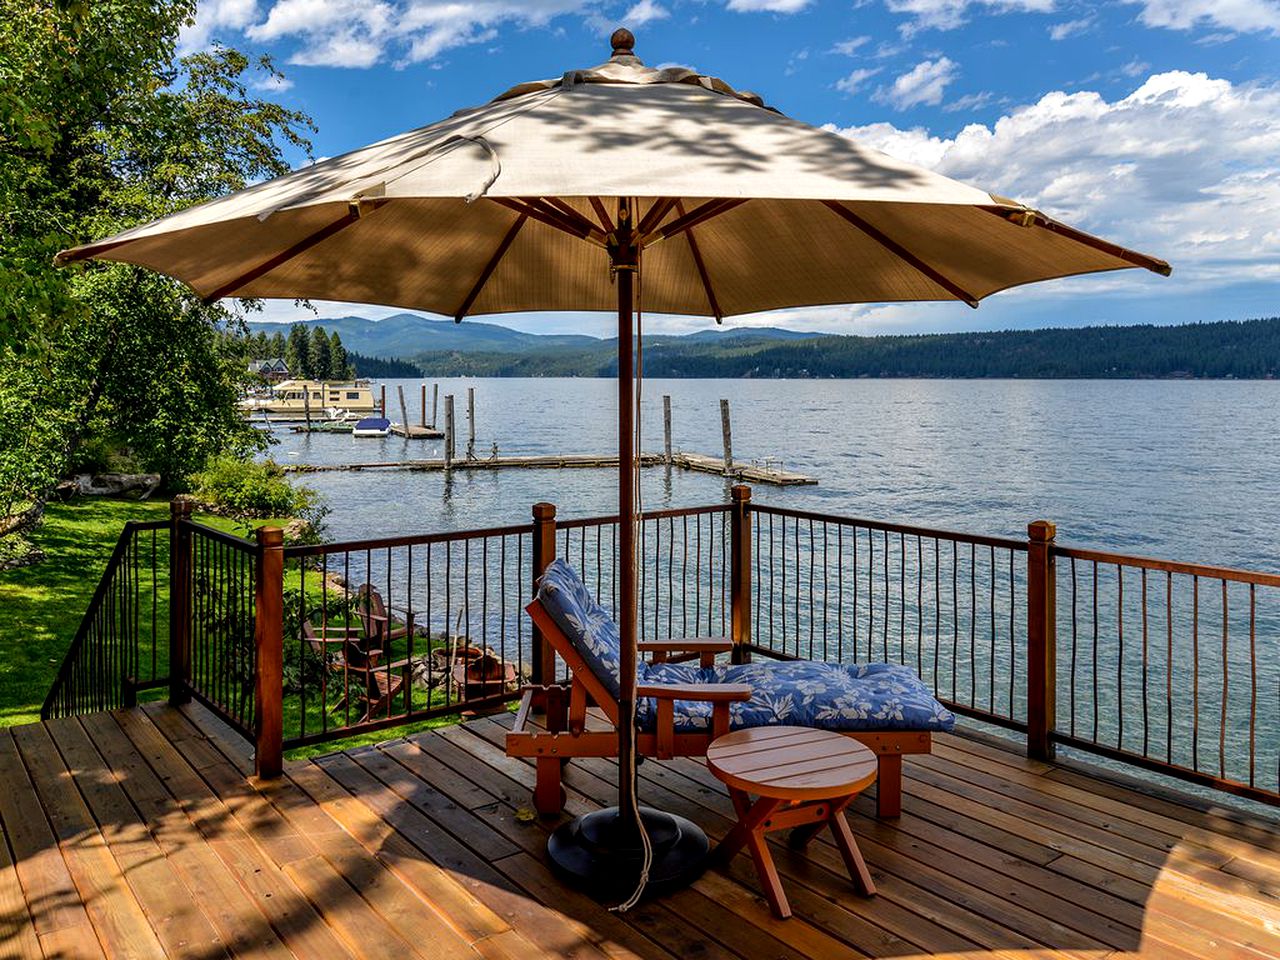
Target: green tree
101, 128
318, 350
297, 352
339, 365
277, 348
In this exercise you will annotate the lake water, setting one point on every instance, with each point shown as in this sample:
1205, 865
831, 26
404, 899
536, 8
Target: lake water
1186, 470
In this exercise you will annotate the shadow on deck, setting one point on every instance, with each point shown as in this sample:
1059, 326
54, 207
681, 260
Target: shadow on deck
138, 834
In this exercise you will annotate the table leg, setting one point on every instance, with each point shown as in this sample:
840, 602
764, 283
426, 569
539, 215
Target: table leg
848, 847
750, 831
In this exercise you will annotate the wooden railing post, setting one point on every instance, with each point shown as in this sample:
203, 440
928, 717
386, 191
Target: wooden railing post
543, 666
179, 602
740, 572
268, 639
1042, 655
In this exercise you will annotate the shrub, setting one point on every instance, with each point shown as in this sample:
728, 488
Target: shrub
254, 489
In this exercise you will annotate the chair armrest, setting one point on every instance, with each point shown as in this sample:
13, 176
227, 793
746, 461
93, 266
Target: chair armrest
708, 692
333, 634
706, 648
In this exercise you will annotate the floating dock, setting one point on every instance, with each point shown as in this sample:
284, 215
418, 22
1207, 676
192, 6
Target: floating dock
696, 462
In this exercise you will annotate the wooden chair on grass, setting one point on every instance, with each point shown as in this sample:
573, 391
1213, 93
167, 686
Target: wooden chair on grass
375, 617
358, 669
666, 730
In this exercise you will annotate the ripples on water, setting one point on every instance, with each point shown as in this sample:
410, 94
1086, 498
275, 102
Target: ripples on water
1177, 469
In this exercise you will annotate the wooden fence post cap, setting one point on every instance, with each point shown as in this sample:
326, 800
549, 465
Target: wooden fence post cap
270, 536
1042, 531
181, 506
544, 511
740, 493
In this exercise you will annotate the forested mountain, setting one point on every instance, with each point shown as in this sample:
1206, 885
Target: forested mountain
1241, 349
377, 368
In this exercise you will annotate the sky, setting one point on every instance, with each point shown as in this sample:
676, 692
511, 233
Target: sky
1153, 123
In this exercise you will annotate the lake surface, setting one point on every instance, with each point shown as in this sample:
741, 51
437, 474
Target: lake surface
1187, 470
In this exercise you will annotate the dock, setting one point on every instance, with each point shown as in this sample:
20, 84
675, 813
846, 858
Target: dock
766, 473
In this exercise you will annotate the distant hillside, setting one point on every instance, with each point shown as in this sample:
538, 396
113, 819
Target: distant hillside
1243, 349
406, 335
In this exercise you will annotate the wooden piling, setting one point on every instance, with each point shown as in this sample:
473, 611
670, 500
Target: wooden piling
666, 427
728, 438
306, 405
382, 403
404, 411
435, 403
448, 431
471, 423
422, 419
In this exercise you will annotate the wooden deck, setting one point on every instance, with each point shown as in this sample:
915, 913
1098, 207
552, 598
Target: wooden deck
137, 834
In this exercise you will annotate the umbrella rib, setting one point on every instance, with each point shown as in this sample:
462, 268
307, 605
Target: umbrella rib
902, 253
702, 268
605, 221
699, 214
567, 209
1034, 218
489, 267
284, 256
661, 207
550, 216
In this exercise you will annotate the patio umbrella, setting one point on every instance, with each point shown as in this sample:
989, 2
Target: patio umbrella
563, 194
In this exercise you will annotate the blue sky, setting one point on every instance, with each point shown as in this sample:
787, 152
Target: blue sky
1155, 123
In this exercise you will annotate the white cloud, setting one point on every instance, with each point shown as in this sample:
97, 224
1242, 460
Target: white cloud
1240, 16
1069, 28
949, 14
854, 81
273, 83
645, 11
768, 6
851, 46
970, 101
1186, 167
213, 16
923, 83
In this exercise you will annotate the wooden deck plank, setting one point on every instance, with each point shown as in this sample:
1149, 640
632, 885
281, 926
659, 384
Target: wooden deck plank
118, 919
50, 893
244, 928
291, 915
167, 901
17, 927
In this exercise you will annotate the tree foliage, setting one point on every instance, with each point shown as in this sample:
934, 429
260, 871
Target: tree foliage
102, 128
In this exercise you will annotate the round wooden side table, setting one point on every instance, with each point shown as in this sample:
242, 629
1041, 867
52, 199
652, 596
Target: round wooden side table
803, 778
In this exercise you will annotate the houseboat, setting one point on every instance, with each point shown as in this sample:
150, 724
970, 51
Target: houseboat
291, 400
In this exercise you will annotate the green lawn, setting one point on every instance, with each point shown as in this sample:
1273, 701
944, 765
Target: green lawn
41, 606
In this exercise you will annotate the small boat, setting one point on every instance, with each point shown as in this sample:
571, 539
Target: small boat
372, 427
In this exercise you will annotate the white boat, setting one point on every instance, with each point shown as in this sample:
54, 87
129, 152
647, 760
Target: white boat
371, 427
291, 400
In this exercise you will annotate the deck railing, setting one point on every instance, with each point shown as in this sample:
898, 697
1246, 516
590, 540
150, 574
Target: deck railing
121, 645
1165, 666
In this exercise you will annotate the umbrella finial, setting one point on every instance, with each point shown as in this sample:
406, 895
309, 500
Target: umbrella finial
624, 42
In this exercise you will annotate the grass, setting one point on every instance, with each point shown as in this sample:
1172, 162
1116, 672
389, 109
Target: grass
41, 606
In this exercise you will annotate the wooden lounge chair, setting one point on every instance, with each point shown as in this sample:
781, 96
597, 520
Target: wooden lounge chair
679, 713
376, 617
357, 669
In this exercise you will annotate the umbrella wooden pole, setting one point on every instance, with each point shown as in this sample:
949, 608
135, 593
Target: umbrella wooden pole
625, 263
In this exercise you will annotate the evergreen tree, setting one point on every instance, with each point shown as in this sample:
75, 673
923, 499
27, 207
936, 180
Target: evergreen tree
261, 346
277, 348
339, 365
297, 353
319, 352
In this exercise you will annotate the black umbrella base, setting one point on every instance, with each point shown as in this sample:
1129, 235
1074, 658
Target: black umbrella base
601, 855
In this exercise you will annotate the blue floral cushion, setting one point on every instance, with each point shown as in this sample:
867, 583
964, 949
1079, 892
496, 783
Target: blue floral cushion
805, 693
588, 625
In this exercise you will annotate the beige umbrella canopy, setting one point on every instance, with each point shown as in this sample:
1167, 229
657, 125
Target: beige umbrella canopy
556, 196
506, 207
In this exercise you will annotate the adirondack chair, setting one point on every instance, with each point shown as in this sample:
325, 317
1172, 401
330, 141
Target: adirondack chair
681, 707
375, 617
357, 667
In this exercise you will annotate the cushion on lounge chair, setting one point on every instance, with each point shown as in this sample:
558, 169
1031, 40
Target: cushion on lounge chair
805, 693
833, 696
589, 626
